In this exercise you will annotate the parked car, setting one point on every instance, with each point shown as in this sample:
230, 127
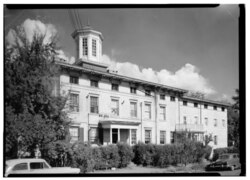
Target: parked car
35, 166
228, 161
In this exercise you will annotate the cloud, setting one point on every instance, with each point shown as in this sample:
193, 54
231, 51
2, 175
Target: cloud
187, 77
30, 27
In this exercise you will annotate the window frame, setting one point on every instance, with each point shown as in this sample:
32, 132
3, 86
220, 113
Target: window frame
114, 87
148, 139
164, 112
162, 97
72, 105
94, 83
131, 110
85, 46
172, 98
74, 138
149, 111
215, 123
94, 47
196, 104
116, 108
184, 103
94, 139
133, 90
73, 80
133, 136
205, 106
215, 107
164, 137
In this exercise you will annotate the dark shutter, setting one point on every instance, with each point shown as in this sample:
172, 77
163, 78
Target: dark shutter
81, 131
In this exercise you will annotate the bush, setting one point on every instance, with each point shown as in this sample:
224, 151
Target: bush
110, 156
125, 153
144, 154
220, 151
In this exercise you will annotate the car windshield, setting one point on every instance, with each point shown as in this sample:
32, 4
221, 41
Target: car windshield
225, 156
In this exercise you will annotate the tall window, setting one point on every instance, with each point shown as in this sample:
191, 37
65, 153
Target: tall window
171, 137
74, 80
133, 90
184, 120
148, 111
115, 107
184, 103
74, 134
94, 47
215, 140
94, 104
114, 87
147, 136
196, 120
93, 83
162, 96
172, 98
133, 136
162, 113
74, 102
215, 122
84, 46
133, 109
206, 121
93, 137
147, 92
162, 137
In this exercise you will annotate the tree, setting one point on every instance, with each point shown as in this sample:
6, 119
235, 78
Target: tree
33, 115
233, 122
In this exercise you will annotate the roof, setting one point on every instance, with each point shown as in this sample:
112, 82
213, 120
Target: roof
26, 160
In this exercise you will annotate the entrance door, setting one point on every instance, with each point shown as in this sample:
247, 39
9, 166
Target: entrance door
114, 136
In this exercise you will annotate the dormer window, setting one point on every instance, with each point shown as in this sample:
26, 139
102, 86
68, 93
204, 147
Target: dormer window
93, 47
85, 46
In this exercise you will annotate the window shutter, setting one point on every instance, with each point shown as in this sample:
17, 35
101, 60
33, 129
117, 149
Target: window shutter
81, 131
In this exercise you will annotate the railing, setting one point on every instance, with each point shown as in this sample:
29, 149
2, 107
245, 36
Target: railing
189, 127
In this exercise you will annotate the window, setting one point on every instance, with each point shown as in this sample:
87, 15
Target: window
215, 140
223, 122
222, 109
93, 83
21, 166
147, 92
205, 106
171, 137
115, 107
162, 137
74, 80
133, 109
184, 120
114, 87
206, 121
133, 136
94, 47
195, 104
147, 136
215, 122
148, 111
184, 103
74, 102
38, 165
172, 98
93, 136
162, 113
162, 96
74, 134
196, 120
133, 90
84, 46
94, 104
215, 107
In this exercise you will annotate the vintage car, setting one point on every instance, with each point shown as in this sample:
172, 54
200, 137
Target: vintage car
229, 161
35, 166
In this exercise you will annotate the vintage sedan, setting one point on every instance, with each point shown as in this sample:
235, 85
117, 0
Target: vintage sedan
229, 161
35, 166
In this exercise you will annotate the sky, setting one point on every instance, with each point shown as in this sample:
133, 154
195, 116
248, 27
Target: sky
190, 48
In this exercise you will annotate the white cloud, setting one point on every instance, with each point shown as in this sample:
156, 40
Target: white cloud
187, 77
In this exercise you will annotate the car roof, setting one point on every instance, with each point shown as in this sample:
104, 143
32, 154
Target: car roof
16, 161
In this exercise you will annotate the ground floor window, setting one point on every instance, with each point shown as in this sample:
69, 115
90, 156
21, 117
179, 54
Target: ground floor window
215, 140
93, 136
114, 136
147, 136
133, 136
171, 137
74, 134
162, 137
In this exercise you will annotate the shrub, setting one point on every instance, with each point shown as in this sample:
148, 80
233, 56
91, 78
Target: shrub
110, 156
125, 153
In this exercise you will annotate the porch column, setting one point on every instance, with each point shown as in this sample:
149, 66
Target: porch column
110, 137
118, 134
130, 142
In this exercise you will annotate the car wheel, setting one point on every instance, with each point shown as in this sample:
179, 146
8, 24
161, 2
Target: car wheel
232, 168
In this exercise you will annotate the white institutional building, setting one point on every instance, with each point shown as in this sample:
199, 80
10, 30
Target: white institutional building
107, 108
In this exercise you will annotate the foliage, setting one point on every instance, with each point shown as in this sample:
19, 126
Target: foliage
33, 115
110, 156
125, 153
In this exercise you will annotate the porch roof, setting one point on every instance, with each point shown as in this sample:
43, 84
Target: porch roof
110, 122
